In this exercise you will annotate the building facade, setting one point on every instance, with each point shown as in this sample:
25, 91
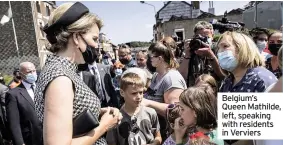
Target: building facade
186, 26
175, 9
269, 15
178, 18
27, 28
41, 14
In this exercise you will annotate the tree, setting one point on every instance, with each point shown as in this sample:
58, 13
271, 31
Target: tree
134, 44
251, 4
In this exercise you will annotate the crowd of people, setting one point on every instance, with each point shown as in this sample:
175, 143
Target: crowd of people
158, 97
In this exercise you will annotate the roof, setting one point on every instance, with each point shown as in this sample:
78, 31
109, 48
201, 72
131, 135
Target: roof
176, 18
205, 15
157, 14
169, 3
235, 11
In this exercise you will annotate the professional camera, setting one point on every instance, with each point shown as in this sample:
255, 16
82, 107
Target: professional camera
225, 25
198, 42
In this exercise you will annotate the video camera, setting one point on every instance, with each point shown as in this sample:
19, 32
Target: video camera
225, 25
198, 42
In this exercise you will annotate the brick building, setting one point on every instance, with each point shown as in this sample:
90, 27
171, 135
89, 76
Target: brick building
27, 28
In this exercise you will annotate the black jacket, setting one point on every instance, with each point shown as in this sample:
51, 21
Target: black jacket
23, 122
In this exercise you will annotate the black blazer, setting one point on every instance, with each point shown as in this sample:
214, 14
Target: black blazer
112, 98
22, 120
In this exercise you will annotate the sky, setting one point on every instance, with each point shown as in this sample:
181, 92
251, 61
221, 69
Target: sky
127, 21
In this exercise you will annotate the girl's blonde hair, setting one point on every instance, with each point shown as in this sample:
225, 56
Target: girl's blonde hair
82, 25
246, 50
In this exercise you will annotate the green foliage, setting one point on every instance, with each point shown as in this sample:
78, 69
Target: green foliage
216, 37
7, 79
138, 44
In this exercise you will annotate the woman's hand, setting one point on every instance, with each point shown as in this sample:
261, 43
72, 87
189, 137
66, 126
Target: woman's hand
179, 130
112, 109
111, 118
205, 52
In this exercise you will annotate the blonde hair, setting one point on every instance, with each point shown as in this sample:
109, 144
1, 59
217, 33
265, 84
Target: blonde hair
82, 25
246, 50
280, 57
140, 72
131, 79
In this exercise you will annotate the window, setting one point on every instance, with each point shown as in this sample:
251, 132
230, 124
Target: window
180, 33
47, 11
38, 7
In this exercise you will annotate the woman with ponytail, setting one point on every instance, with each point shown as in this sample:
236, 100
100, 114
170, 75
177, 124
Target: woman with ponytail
167, 83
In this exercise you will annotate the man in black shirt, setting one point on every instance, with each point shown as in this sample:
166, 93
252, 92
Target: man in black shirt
207, 62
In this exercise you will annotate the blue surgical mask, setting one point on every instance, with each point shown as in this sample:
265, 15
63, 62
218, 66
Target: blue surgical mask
261, 45
31, 78
227, 60
209, 40
118, 72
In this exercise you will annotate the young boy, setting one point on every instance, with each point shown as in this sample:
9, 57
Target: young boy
140, 125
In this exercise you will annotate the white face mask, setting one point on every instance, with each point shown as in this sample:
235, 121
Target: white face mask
261, 45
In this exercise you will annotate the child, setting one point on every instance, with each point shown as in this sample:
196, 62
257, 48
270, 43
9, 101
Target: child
172, 113
207, 79
140, 124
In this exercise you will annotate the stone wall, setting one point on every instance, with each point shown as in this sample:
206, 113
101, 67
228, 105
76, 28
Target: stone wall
188, 25
24, 26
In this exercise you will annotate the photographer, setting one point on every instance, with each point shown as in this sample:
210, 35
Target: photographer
201, 60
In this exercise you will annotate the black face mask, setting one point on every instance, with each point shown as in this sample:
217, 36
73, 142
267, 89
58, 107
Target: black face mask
18, 77
90, 55
124, 61
274, 48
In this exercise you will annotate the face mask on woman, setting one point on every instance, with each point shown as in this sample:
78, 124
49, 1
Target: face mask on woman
261, 45
274, 48
118, 72
90, 54
227, 60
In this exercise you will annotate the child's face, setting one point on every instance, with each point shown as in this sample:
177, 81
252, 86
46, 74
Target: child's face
133, 95
187, 114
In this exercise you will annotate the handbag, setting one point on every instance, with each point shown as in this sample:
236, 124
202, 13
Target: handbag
84, 123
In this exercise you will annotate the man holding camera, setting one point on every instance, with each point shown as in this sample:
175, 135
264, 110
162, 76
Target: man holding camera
199, 57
